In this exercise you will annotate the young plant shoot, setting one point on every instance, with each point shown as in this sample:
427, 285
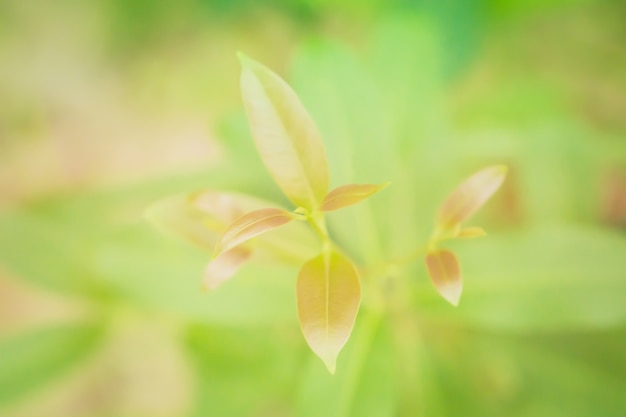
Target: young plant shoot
328, 287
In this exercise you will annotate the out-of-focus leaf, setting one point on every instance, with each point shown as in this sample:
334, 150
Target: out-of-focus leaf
340, 94
178, 217
328, 297
224, 266
406, 56
31, 360
46, 253
336, 87
471, 232
250, 225
445, 274
548, 278
147, 269
201, 216
470, 196
245, 372
522, 375
348, 195
294, 241
365, 382
285, 134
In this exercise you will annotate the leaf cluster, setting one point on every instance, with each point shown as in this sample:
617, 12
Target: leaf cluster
328, 288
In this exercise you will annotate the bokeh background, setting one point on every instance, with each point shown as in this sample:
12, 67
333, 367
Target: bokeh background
108, 106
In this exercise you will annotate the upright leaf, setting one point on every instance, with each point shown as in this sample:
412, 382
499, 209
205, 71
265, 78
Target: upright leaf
470, 196
348, 195
286, 136
443, 269
328, 296
250, 225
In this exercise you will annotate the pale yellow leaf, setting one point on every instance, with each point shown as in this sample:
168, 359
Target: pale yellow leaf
286, 137
328, 297
445, 274
348, 195
470, 196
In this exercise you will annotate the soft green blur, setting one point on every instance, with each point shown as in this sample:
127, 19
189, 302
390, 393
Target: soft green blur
109, 106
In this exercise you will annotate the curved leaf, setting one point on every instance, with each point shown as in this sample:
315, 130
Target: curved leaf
294, 243
348, 195
470, 196
250, 225
224, 266
443, 269
286, 136
328, 297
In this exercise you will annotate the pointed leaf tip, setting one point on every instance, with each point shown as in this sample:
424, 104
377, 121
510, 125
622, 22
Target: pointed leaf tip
328, 298
331, 365
445, 274
348, 195
251, 225
472, 194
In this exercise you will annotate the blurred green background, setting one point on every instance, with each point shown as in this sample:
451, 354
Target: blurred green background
108, 106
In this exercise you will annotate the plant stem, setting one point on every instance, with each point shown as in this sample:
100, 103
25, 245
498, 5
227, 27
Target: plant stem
386, 269
362, 342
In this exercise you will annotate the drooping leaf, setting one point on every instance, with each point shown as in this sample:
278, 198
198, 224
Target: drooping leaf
224, 266
250, 225
348, 195
445, 274
286, 136
31, 360
471, 232
470, 196
328, 297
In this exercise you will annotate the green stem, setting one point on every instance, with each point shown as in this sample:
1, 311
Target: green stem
391, 267
362, 342
318, 223
411, 257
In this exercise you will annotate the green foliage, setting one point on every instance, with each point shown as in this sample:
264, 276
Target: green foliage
540, 327
33, 360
